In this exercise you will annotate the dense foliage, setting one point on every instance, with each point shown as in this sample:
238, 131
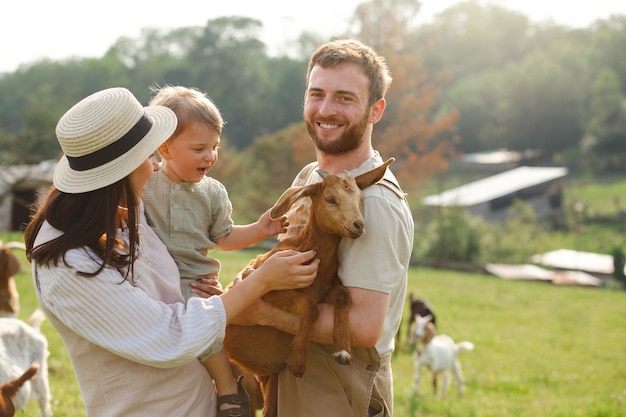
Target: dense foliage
478, 77
500, 79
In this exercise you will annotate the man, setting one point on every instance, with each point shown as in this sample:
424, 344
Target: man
344, 98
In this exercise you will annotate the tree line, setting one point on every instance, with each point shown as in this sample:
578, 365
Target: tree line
475, 78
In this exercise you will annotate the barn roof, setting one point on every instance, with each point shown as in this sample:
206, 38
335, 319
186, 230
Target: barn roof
496, 186
597, 263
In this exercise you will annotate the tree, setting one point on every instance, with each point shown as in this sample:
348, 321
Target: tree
229, 62
606, 114
607, 44
479, 98
413, 130
156, 57
542, 105
265, 169
468, 38
37, 141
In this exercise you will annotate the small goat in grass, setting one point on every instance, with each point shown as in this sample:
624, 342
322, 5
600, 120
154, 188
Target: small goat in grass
417, 307
22, 344
437, 352
335, 213
9, 266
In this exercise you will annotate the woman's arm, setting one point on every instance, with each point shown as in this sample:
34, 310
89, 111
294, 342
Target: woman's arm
283, 270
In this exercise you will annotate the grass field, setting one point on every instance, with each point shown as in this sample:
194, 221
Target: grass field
541, 350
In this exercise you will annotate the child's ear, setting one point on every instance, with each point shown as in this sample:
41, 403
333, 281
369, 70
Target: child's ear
164, 150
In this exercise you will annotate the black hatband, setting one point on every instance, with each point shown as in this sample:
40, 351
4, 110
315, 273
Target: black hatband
113, 150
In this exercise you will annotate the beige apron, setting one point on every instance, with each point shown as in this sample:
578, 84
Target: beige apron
327, 388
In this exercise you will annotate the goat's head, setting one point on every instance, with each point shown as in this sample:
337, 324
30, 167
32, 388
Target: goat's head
420, 325
421, 307
335, 201
9, 264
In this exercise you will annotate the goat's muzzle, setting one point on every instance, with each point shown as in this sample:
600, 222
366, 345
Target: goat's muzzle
357, 229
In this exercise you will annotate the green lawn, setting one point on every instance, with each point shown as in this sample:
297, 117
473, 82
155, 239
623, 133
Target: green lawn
541, 350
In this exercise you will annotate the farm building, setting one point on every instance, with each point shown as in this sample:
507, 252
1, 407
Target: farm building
492, 197
494, 161
19, 187
566, 267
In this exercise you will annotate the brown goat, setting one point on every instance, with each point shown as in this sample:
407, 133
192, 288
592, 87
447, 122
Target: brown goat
9, 266
335, 213
9, 390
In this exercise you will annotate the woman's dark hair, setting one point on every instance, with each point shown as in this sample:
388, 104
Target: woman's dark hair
86, 220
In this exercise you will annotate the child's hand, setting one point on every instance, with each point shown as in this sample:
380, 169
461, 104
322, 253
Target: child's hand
206, 287
273, 227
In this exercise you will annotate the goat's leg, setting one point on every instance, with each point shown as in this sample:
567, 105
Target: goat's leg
416, 372
445, 377
340, 299
458, 375
305, 307
41, 388
300, 343
269, 387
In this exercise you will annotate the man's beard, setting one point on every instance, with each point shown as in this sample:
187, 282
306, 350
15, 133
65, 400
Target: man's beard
349, 141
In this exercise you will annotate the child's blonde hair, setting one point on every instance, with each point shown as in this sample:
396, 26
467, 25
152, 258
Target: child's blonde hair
190, 106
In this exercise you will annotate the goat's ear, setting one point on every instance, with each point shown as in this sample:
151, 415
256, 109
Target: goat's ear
284, 202
9, 264
322, 173
290, 196
372, 177
14, 265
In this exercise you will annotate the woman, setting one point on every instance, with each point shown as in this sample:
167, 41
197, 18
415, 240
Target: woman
109, 286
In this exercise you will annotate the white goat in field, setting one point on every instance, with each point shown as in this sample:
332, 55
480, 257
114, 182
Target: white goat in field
437, 352
21, 345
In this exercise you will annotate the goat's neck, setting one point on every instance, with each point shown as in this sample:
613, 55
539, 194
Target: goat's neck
324, 243
429, 333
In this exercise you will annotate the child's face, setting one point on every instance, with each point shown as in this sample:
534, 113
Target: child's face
190, 155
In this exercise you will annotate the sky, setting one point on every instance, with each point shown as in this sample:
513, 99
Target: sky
60, 29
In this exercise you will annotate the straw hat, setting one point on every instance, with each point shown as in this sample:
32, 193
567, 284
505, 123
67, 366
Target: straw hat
105, 136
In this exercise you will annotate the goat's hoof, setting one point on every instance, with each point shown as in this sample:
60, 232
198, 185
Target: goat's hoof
343, 357
297, 370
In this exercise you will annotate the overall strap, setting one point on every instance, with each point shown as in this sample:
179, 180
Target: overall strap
304, 174
389, 181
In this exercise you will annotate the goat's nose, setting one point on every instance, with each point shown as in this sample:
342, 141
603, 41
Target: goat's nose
359, 225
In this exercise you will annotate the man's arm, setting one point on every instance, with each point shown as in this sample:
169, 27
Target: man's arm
367, 314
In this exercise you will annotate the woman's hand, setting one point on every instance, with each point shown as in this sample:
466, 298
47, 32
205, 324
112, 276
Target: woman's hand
283, 270
206, 287
287, 269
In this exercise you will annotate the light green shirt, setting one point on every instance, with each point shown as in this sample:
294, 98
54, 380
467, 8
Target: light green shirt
189, 218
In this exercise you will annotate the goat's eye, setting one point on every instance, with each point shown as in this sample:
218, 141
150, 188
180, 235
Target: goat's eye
331, 200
